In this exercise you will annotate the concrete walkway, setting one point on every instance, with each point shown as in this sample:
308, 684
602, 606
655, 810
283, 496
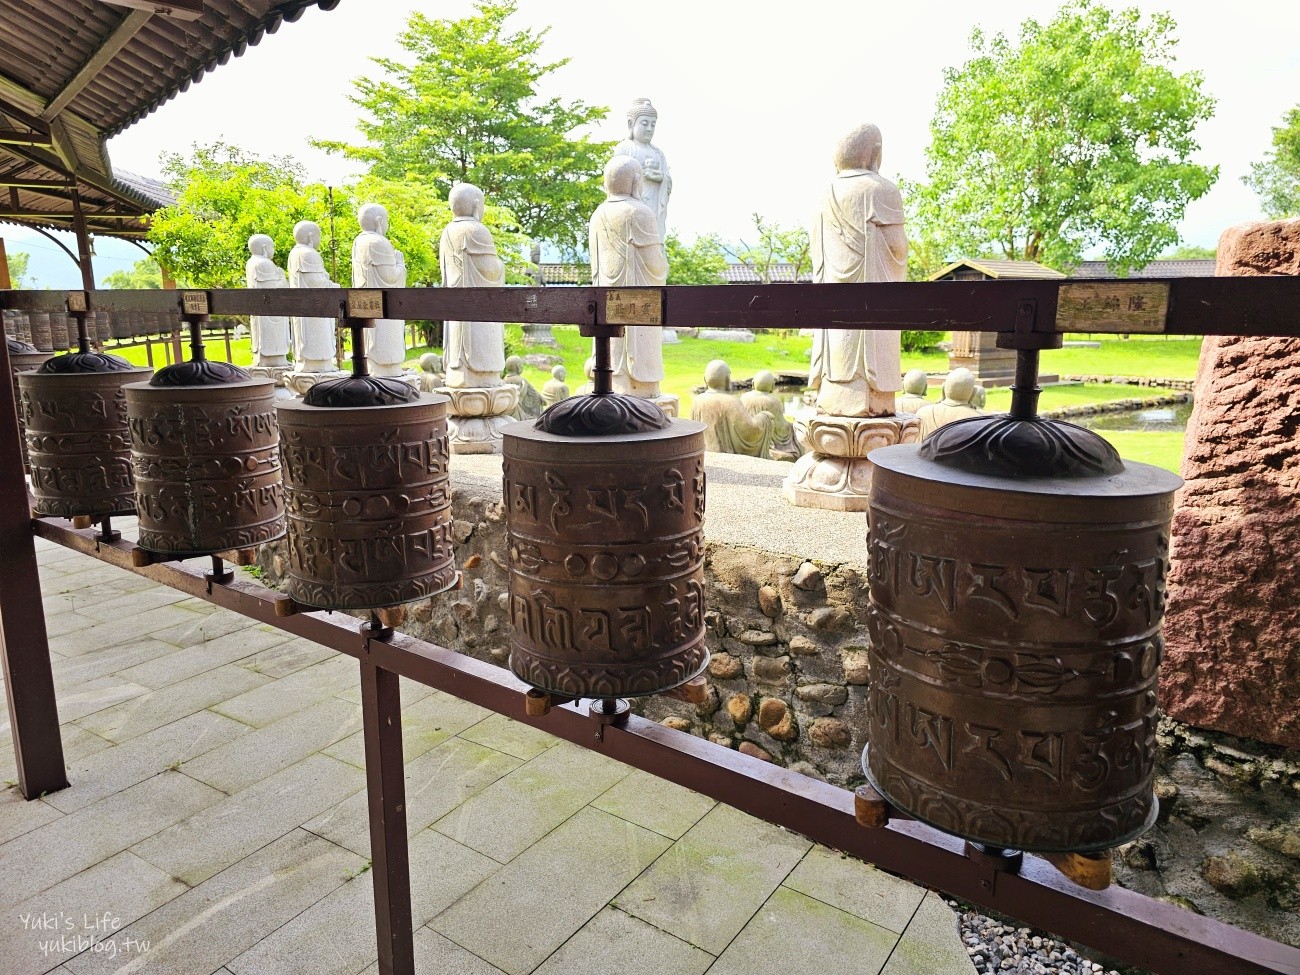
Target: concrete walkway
216, 823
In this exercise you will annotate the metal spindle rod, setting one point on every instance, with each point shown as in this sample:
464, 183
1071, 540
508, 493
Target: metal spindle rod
1025, 392
360, 361
197, 352
602, 381
83, 337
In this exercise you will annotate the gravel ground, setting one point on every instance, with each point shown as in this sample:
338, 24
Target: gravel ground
1001, 949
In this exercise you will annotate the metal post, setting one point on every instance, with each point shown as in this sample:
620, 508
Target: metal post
24, 646
381, 714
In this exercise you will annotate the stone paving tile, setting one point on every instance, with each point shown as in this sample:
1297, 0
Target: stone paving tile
93, 904
132, 604
436, 955
125, 628
287, 658
336, 935
512, 737
49, 855
616, 942
202, 657
105, 661
857, 888
708, 886
207, 926
266, 705
65, 623
790, 929
203, 626
426, 724
655, 803
203, 845
517, 917
931, 945
277, 746
87, 698
157, 708
513, 813
18, 816
114, 769
436, 783
77, 744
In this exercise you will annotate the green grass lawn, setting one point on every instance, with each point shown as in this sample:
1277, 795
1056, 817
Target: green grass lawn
1139, 356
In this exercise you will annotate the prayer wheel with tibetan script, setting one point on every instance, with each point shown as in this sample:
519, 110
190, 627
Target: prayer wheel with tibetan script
1017, 578
604, 500
23, 357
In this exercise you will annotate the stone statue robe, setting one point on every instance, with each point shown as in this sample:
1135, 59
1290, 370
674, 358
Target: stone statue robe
942, 413
627, 252
910, 403
857, 236
784, 445
475, 352
313, 338
654, 193
376, 263
729, 428
270, 333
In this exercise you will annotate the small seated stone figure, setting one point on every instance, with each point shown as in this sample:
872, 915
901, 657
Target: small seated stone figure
729, 427
432, 374
763, 399
915, 386
589, 387
958, 391
530, 400
555, 388
980, 398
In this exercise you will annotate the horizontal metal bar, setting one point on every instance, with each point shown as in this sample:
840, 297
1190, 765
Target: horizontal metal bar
1124, 924
1194, 306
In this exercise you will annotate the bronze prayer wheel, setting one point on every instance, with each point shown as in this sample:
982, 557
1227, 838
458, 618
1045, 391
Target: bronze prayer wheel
120, 324
1017, 588
60, 339
23, 357
40, 323
101, 329
77, 442
606, 551
206, 461
368, 502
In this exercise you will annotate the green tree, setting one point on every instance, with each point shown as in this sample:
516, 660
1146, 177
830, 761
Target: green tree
1078, 135
702, 262
1190, 252
18, 262
467, 109
144, 274
1276, 178
774, 245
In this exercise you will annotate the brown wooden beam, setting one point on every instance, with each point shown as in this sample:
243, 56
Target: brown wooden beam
27, 183
5, 282
122, 33
27, 214
176, 9
20, 137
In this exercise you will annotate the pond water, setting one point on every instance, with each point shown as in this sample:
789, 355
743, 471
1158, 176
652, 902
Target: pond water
1159, 419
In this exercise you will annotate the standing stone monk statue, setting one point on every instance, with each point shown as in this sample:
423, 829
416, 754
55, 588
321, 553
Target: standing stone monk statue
656, 184
376, 263
474, 351
270, 332
627, 252
858, 236
313, 338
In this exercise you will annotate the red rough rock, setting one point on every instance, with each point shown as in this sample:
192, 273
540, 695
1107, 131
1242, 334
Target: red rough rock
1233, 619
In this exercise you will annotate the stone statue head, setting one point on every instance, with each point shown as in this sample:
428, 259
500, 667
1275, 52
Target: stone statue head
959, 387
860, 149
764, 381
622, 177
559, 374
260, 245
915, 382
373, 218
717, 376
431, 362
514, 366
589, 368
466, 200
641, 120
306, 232
979, 397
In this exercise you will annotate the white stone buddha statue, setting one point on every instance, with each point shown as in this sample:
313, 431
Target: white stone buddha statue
376, 263
313, 338
657, 183
957, 403
474, 351
270, 333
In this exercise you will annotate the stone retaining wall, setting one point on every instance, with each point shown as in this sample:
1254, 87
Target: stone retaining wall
1185, 384
1118, 406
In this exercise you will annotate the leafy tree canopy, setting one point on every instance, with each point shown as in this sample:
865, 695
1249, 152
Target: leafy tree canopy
18, 261
773, 245
1276, 178
702, 262
1190, 252
466, 109
225, 195
144, 274
1080, 134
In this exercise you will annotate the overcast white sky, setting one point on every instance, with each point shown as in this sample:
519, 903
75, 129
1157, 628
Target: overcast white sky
751, 96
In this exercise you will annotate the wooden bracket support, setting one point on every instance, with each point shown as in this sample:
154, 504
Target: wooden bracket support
1091, 871
140, 558
82, 522
694, 691
870, 808
285, 606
